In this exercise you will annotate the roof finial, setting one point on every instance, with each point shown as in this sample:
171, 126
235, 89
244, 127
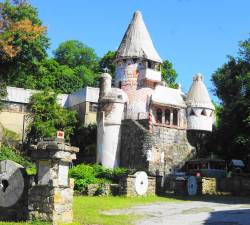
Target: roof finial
198, 77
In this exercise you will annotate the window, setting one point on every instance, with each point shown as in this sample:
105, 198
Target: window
203, 112
93, 107
158, 116
149, 64
175, 117
192, 112
167, 116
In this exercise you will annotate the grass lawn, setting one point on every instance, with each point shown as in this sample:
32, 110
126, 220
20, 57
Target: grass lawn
87, 210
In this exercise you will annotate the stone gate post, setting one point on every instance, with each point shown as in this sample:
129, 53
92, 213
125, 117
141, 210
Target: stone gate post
51, 195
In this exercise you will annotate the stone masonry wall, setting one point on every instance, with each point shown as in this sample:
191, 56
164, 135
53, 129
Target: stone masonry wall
158, 153
170, 149
50, 203
135, 141
127, 184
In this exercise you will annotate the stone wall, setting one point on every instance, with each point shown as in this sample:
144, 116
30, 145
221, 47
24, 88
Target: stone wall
50, 203
127, 186
170, 150
218, 186
158, 153
135, 142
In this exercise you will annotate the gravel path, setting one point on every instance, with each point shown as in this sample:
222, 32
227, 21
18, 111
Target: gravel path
190, 213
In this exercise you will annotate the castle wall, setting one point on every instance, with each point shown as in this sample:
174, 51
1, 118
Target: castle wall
163, 150
170, 149
135, 142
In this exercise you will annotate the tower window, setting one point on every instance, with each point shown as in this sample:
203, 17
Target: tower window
149, 64
167, 116
175, 117
134, 60
203, 112
192, 113
159, 116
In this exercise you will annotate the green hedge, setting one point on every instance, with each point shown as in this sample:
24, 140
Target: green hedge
94, 174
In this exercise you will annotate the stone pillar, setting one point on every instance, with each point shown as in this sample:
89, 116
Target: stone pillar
51, 196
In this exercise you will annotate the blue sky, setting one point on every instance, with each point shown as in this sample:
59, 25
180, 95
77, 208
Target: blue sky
195, 35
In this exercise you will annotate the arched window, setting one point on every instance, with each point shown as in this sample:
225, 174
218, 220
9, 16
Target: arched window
175, 117
167, 116
158, 116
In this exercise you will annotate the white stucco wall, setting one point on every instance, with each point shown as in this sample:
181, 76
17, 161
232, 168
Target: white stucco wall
199, 121
109, 137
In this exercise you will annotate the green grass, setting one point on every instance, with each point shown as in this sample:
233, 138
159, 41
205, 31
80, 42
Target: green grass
88, 210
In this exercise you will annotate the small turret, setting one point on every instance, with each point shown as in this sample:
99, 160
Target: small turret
110, 112
105, 84
199, 106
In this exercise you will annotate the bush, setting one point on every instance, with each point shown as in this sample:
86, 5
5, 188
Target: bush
10, 138
94, 174
11, 154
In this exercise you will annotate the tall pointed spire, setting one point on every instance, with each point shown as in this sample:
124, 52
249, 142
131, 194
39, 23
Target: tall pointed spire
137, 41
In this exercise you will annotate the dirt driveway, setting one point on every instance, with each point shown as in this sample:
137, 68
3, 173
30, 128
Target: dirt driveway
225, 212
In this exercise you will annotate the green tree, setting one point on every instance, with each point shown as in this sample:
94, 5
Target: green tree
74, 53
169, 74
107, 61
80, 58
3, 92
232, 86
23, 39
48, 117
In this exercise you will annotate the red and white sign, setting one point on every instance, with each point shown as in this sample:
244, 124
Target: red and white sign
60, 134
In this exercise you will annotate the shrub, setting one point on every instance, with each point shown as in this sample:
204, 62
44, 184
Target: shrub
10, 138
11, 154
94, 174
83, 175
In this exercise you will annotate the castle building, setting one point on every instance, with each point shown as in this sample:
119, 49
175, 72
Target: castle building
143, 124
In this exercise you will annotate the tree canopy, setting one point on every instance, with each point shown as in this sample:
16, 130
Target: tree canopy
169, 74
107, 61
232, 86
23, 39
48, 117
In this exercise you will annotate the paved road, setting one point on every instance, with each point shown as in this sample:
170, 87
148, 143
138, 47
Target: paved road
191, 213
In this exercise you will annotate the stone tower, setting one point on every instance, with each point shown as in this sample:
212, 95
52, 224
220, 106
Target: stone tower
110, 112
138, 66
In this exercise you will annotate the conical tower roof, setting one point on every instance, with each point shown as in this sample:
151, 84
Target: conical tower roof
137, 41
198, 95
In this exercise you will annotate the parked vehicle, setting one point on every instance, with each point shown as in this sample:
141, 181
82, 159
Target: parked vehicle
206, 167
